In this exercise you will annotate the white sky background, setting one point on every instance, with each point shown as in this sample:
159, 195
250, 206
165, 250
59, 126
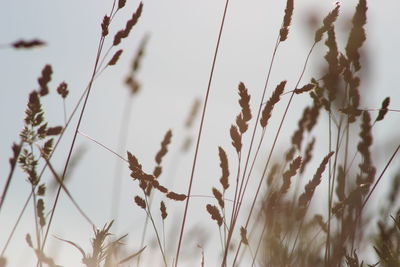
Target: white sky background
174, 72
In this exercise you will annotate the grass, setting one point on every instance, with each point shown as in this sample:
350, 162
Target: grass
277, 195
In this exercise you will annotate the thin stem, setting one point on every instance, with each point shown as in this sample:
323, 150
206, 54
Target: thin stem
380, 177
101, 67
10, 175
103, 146
261, 237
347, 233
15, 227
199, 133
45, 166
65, 112
328, 237
155, 228
59, 181
144, 231
123, 134
221, 239
74, 139
235, 200
163, 234
241, 193
225, 230
242, 190
273, 147
34, 202
35, 214
252, 231
75, 109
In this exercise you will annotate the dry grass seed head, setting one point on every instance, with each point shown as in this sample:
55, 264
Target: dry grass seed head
121, 3
243, 235
384, 109
297, 136
41, 190
272, 172
163, 210
269, 106
157, 171
357, 34
44, 80
175, 196
354, 96
134, 166
54, 130
28, 44
289, 155
244, 103
287, 19
236, 138
131, 81
139, 54
104, 26
158, 158
307, 155
341, 184
29, 164
159, 187
366, 167
34, 112
47, 148
331, 79
98, 245
313, 116
294, 166
164, 147
40, 212
223, 159
142, 184
186, 144
115, 58
327, 23
133, 84
318, 96
305, 88
62, 90
309, 189
218, 195
241, 124
129, 25
140, 202
193, 113
215, 214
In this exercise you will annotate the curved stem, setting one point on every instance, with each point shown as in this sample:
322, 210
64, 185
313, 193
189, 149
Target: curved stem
15, 226
273, 147
199, 133
10, 175
101, 42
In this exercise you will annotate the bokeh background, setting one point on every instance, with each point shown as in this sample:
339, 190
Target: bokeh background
174, 72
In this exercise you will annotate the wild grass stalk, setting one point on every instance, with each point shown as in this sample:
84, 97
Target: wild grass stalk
200, 132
